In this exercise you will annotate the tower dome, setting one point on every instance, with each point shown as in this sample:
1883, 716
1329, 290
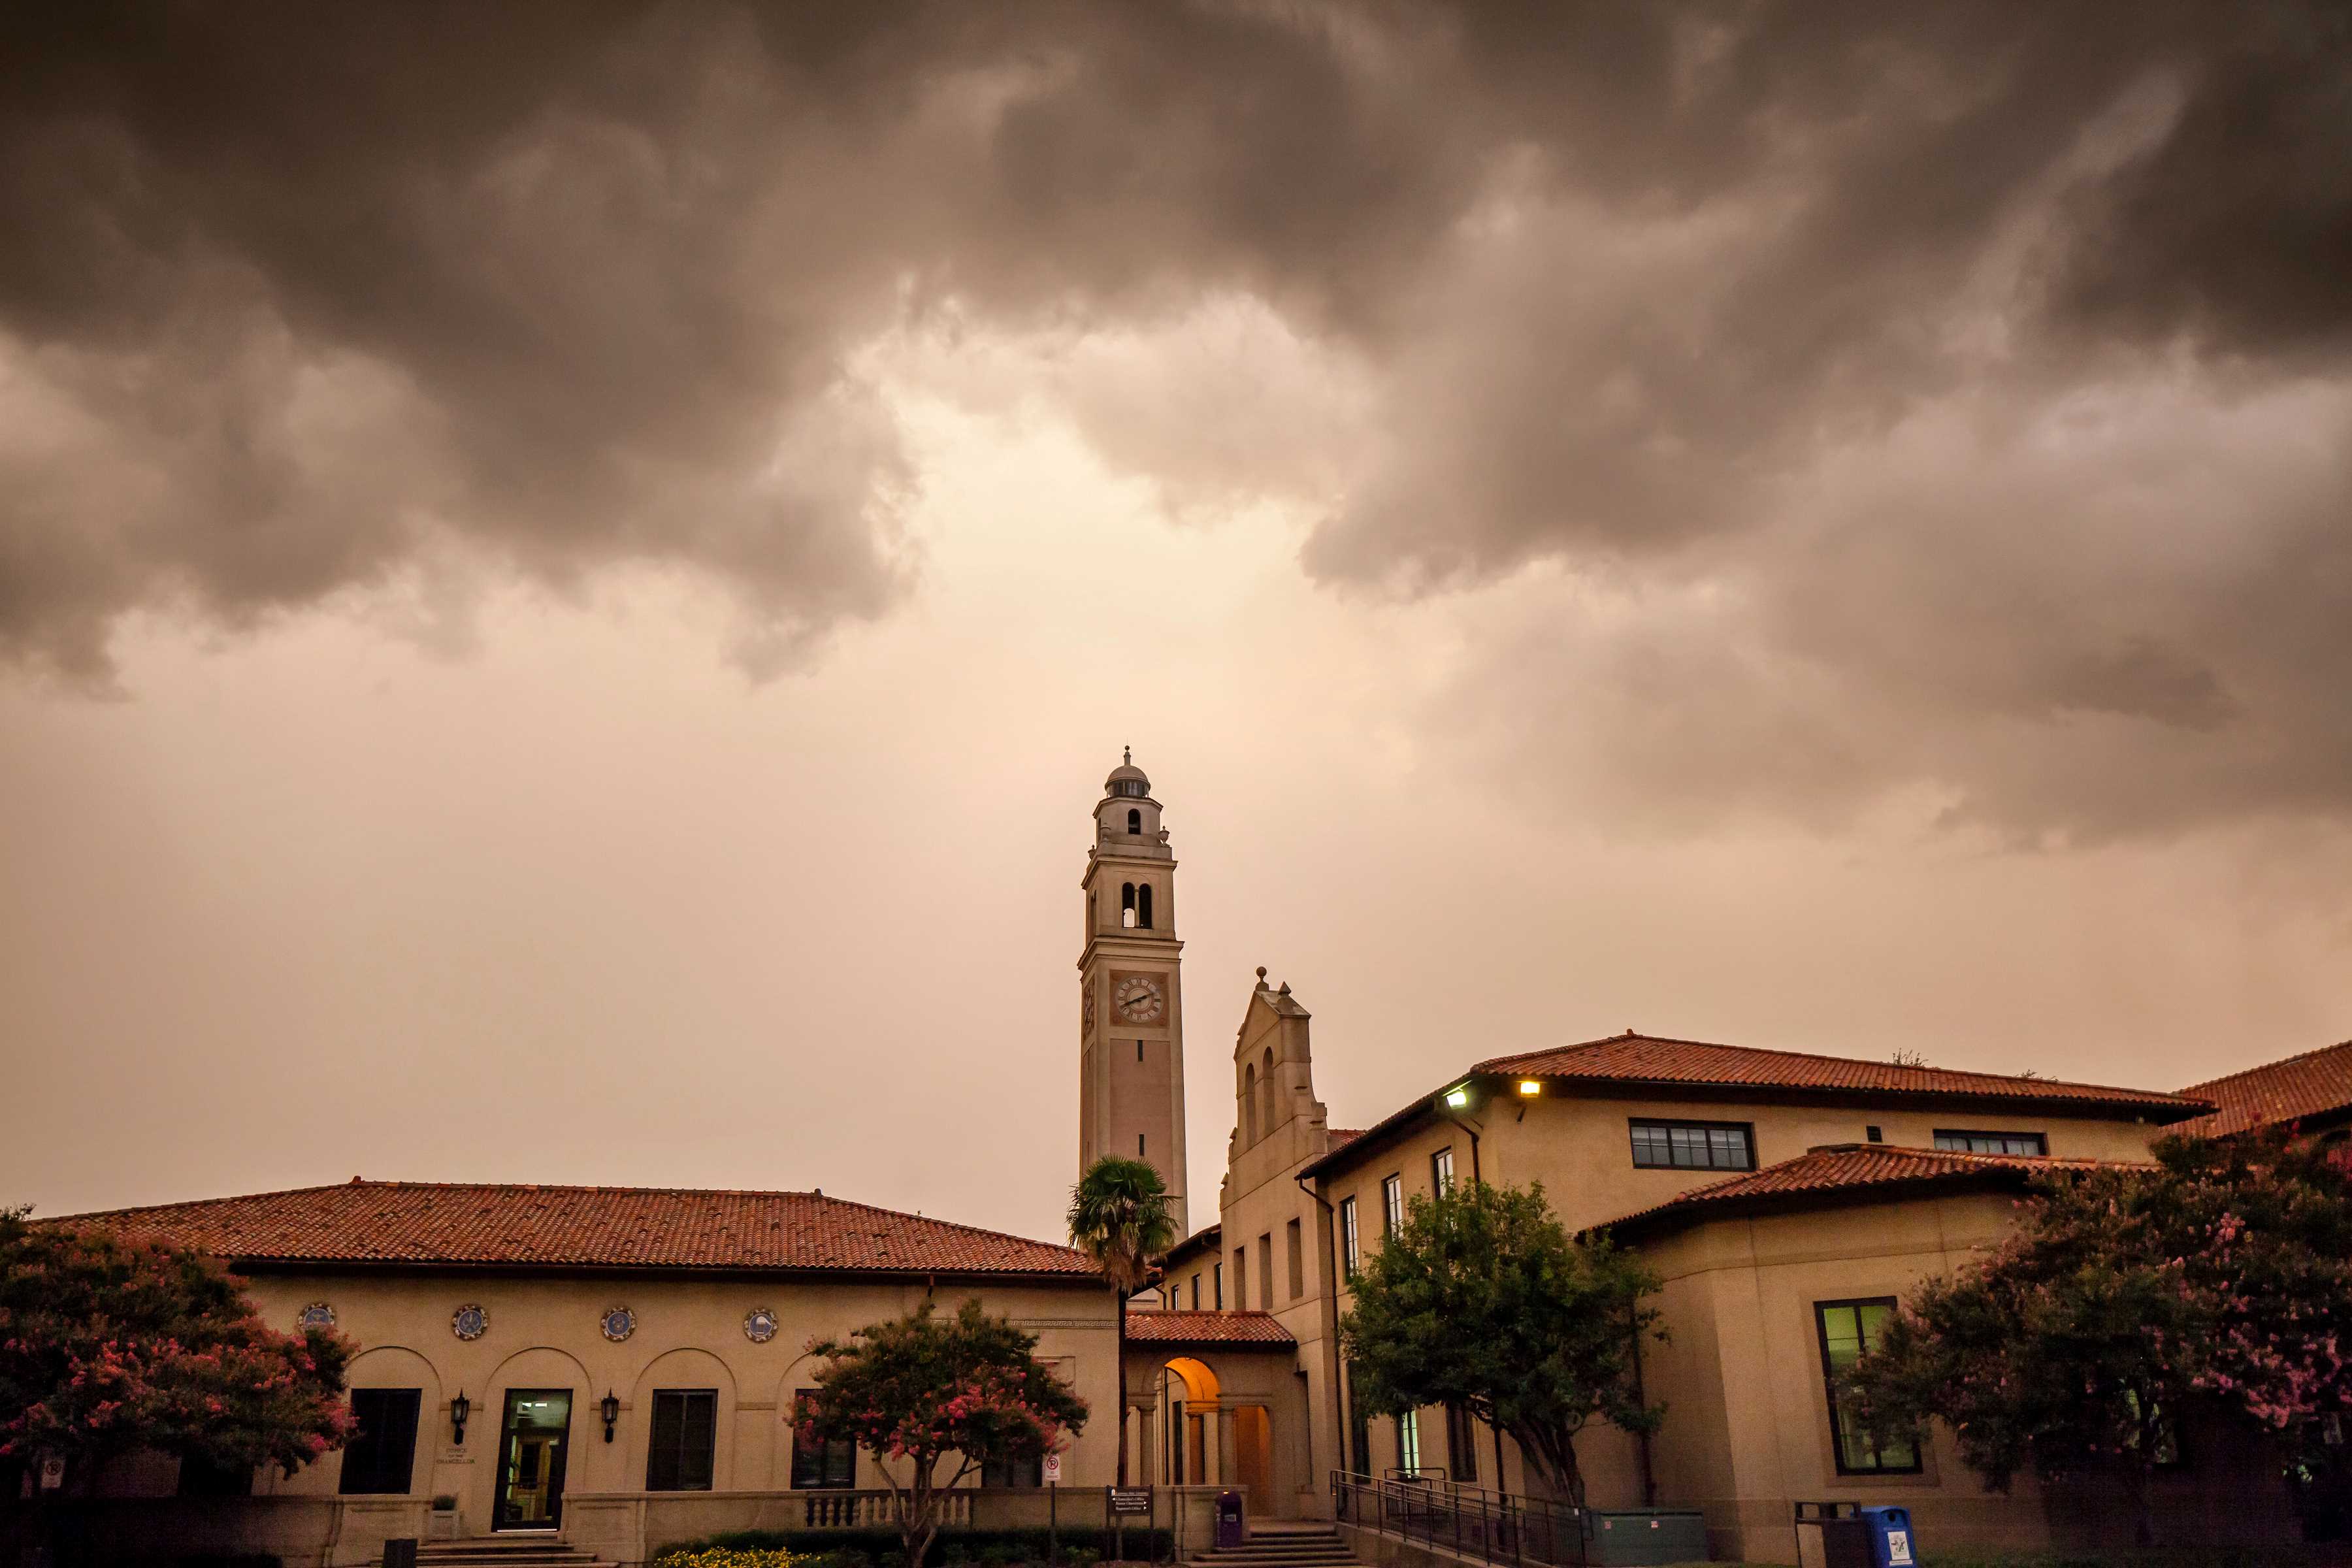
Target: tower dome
1126, 778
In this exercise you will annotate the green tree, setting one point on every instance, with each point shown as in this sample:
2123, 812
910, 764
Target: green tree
110, 1344
1484, 1302
915, 1390
2126, 1300
1119, 1216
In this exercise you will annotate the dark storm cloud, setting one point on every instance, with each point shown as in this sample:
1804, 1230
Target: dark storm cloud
1947, 396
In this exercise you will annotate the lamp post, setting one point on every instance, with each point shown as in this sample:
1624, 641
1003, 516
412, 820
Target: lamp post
611, 1408
459, 1409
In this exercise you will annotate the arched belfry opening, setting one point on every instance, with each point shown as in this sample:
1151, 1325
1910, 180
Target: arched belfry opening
1143, 906
1127, 905
1265, 1079
1135, 822
1249, 1104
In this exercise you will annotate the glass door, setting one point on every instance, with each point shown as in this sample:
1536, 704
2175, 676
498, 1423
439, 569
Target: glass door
530, 1458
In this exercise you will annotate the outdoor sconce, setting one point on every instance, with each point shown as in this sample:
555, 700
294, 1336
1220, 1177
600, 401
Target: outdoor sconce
611, 1410
459, 1409
1529, 1088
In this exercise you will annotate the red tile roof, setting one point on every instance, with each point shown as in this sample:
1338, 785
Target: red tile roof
2316, 1083
481, 1225
1648, 1058
1206, 1329
1343, 1136
1850, 1168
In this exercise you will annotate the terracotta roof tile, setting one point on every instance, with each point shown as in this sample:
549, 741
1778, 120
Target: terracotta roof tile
1856, 1167
1343, 1136
2313, 1084
1648, 1058
465, 1224
1206, 1328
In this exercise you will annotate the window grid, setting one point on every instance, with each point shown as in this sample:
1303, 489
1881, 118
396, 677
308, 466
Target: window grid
1217, 1278
1441, 1172
820, 1465
1391, 1205
1694, 1145
1409, 1441
1968, 1142
681, 1444
1849, 1330
1350, 1244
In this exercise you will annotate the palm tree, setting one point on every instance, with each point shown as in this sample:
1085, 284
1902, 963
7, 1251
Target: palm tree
1119, 1218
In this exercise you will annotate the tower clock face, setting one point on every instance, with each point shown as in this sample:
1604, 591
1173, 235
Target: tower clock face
1140, 999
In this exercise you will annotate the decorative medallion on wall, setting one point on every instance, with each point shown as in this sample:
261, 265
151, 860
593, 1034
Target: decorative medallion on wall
469, 1322
618, 1323
317, 1315
759, 1325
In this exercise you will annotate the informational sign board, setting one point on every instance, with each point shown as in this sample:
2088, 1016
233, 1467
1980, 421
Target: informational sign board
1053, 1469
53, 1472
1131, 1500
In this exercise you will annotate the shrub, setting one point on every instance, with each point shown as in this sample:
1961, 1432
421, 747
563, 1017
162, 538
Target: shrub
1082, 1546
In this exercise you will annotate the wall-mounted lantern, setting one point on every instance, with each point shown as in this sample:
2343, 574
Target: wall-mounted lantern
459, 1409
612, 1411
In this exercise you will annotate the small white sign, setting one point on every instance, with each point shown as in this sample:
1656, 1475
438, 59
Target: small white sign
1053, 1468
1898, 1548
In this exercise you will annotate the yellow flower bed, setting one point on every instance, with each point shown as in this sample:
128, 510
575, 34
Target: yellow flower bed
730, 1557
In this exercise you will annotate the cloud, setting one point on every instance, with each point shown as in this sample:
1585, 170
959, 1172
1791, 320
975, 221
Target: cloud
1940, 399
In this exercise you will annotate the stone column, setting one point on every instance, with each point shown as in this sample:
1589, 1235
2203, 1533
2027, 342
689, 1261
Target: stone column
1142, 1474
1224, 1443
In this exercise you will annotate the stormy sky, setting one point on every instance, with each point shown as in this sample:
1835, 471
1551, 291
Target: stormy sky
569, 573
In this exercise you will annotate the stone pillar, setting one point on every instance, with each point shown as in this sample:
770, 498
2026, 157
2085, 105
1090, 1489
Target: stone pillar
1143, 1475
1224, 1443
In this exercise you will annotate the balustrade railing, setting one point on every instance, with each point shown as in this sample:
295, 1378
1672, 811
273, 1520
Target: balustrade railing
1499, 1528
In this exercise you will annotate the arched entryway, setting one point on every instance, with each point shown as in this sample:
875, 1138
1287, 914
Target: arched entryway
1204, 1436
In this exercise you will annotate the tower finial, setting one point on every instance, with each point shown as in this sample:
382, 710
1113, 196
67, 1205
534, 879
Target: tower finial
1127, 755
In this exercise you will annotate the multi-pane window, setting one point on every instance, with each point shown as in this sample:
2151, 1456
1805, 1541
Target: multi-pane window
683, 1440
1441, 1172
1351, 1246
1461, 1445
1409, 1441
820, 1465
1196, 1291
1030, 1472
1694, 1145
1391, 1205
1848, 1330
382, 1456
1217, 1280
1991, 1143
1294, 1243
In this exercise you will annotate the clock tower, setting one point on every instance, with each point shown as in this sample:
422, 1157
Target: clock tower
1130, 1004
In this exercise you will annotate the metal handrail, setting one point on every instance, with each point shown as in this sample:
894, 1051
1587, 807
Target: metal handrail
1492, 1527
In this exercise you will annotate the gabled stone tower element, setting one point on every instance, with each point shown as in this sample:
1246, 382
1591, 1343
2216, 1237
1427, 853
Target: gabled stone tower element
1130, 995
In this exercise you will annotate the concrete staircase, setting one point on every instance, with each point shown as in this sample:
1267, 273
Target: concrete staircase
503, 1552
1284, 1543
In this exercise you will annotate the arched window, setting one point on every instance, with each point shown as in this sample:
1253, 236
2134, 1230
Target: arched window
1143, 906
1135, 822
1127, 904
1266, 1081
1249, 1105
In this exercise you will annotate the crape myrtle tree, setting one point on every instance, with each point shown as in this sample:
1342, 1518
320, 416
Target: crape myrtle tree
110, 1345
1482, 1301
2217, 1283
1119, 1217
915, 1390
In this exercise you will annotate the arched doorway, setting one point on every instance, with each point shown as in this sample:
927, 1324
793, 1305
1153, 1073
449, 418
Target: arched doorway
1189, 1407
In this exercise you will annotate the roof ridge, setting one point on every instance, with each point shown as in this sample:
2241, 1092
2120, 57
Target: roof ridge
2263, 1067
953, 1225
1502, 1063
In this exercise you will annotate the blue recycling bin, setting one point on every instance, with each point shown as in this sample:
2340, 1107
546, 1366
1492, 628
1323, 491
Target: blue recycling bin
1891, 1545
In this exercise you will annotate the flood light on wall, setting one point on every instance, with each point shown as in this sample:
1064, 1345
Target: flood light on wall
611, 1409
1457, 1098
1529, 1088
459, 1409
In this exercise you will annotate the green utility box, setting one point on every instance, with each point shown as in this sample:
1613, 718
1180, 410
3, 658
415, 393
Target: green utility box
1647, 1535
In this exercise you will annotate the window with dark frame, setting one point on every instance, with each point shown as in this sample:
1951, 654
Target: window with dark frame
1351, 1254
1962, 1142
682, 1443
820, 1466
1029, 1472
1848, 1331
1265, 1272
381, 1458
1217, 1278
1391, 1205
1441, 1172
1461, 1445
1693, 1145
1294, 1243
1196, 1290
